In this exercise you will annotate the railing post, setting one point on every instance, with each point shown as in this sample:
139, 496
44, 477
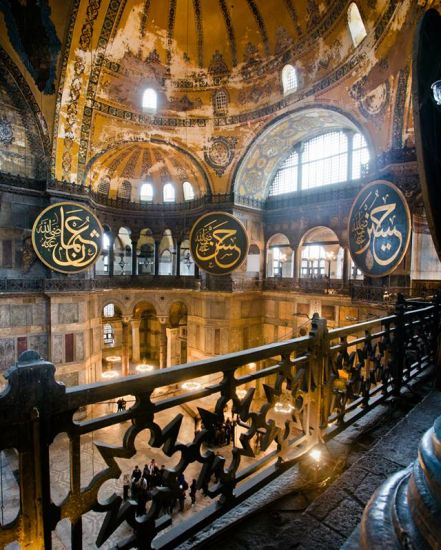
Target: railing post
25, 411
398, 346
436, 339
317, 367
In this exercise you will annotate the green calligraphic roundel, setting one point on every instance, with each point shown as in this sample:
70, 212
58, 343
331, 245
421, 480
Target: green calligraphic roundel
67, 237
219, 243
379, 229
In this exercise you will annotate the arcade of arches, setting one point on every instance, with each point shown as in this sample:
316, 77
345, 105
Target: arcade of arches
276, 112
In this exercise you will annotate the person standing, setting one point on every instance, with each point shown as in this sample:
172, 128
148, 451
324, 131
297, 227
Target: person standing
193, 489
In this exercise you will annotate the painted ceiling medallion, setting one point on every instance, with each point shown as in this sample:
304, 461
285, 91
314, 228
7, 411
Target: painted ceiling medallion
220, 153
67, 237
218, 243
6, 133
379, 229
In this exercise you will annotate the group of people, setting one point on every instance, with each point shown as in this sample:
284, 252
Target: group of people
222, 433
141, 483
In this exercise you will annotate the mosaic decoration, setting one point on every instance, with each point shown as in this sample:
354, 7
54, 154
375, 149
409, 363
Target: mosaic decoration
6, 133
218, 243
374, 104
379, 229
34, 38
400, 103
260, 24
67, 237
220, 153
75, 88
230, 31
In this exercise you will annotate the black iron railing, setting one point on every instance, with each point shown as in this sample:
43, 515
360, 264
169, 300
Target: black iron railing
290, 396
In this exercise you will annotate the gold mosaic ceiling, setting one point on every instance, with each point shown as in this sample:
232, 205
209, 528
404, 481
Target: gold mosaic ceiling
209, 33
158, 163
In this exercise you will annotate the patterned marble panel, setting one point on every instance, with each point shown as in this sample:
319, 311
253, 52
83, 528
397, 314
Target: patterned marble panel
7, 353
67, 313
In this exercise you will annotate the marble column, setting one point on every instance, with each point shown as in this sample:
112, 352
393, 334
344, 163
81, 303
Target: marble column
345, 266
125, 347
178, 258
134, 240
111, 254
163, 341
157, 244
136, 356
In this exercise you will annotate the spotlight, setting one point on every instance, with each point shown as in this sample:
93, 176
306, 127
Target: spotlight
436, 91
315, 454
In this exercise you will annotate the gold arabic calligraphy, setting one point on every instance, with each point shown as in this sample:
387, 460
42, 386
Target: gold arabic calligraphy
69, 237
217, 246
377, 222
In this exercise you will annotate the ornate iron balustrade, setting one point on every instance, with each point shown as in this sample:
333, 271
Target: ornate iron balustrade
313, 387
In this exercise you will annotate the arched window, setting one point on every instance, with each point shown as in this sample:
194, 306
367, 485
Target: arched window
104, 186
146, 192
108, 334
109, 310
106, 242
356, 25
220, 102
188, 191
289, 79
149, 100
322, 160
125, 190
168, 193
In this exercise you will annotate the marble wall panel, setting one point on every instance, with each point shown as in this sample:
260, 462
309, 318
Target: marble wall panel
7, 353
39, 344
68, 313
4, 316
20, 316
79, 346
217, 310
57, 348
38, 314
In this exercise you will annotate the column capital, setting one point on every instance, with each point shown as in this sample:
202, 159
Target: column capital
162, 319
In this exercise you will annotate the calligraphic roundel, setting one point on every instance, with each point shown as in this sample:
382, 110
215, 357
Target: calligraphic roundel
219, 243
379, 229
67, 237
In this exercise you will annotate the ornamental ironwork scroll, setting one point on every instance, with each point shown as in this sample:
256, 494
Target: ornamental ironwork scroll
379, 229
219, 243
67, 237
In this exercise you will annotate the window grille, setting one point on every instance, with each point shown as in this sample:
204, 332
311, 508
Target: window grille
109, 310
285, 180
360, 156
322, 160
220, 102
289, 79
108, 334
